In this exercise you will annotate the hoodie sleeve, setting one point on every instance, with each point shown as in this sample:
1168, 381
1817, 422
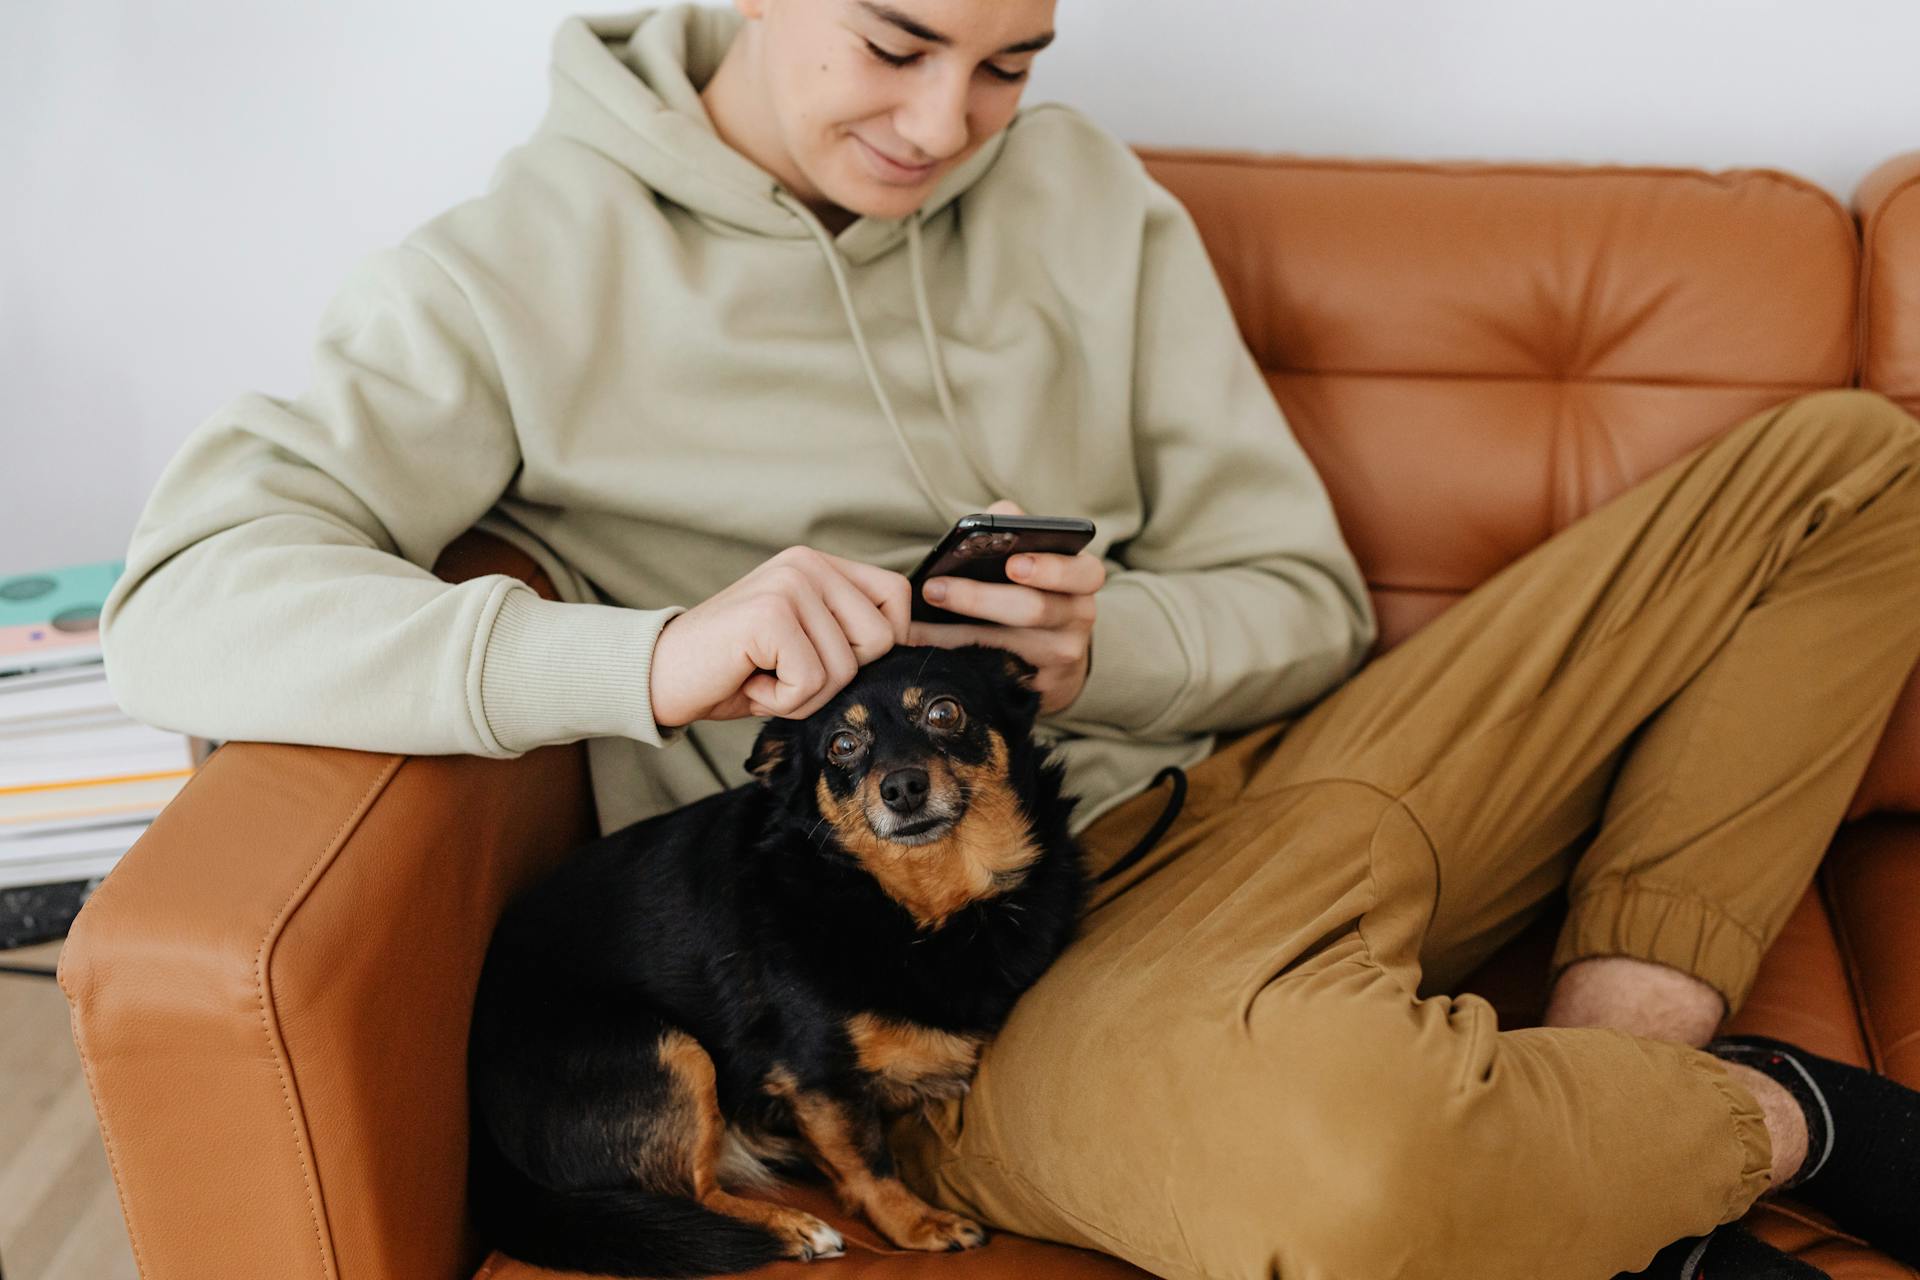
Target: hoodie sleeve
277, 588
1238, 601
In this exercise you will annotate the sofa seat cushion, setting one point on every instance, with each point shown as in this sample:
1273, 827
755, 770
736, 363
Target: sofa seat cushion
1841, 979
869, 1256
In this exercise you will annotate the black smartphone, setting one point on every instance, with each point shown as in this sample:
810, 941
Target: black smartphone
978, 546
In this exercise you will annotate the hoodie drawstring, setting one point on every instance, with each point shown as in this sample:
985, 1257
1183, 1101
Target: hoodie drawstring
942, 508
984, 472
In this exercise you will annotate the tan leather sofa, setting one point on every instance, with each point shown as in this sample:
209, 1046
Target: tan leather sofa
271, 992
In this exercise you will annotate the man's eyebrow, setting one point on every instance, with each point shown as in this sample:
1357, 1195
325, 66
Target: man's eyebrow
913, 28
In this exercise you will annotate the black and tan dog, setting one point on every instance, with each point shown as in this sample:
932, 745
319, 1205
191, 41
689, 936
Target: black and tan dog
756, 983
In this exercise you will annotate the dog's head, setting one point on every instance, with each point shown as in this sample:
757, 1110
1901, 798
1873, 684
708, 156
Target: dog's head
923, 769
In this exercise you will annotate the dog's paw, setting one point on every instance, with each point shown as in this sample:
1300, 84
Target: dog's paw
937, 1230
806, 1237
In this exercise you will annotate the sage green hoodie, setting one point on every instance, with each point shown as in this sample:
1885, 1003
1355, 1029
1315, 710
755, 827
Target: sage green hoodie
640, 359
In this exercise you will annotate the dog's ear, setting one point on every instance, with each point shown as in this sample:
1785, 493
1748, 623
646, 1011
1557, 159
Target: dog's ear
1016, 685
772, 749
776, 764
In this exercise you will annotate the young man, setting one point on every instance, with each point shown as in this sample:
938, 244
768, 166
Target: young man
774, 295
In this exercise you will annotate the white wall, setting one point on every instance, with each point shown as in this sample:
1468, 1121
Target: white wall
186, 182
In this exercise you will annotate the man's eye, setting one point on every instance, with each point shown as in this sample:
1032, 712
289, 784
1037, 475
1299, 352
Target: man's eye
903, 59
891, 59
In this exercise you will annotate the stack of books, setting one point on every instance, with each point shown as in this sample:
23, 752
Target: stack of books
80, 780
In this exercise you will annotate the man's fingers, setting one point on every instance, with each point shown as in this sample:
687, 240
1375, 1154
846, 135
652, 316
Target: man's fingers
1077, 574
838, 615
1014, 604
887, 591
790, 668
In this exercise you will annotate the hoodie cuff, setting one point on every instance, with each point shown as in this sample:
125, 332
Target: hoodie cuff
1137, 664
555, 672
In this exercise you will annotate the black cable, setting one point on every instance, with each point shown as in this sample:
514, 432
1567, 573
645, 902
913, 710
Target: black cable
1160, 824
26, 971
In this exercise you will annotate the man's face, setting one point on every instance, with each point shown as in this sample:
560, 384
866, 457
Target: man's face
843, 111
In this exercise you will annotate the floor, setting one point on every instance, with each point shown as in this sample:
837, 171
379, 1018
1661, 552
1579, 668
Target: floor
59, 1217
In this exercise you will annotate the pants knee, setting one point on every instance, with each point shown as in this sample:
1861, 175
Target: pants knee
1854, 413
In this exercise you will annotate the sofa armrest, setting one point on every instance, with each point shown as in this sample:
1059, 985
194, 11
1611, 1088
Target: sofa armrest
1886, 206
270, 995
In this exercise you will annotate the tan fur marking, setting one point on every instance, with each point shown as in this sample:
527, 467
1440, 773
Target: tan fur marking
779, 1082
772, 752
984, 854
897, 1212
857, 715
684, 1057
910, 698
913, 1062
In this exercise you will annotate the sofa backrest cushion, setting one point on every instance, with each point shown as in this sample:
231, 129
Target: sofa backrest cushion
1475, 355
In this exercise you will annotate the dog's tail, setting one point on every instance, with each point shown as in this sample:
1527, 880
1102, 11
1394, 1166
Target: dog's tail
606, 1231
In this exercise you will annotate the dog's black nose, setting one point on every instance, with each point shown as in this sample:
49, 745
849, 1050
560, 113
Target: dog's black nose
904, 790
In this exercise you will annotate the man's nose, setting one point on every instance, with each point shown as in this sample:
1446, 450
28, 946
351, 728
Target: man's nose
934, 121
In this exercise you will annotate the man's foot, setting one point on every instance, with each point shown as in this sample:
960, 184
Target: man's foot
1728, 1252
1863, 1141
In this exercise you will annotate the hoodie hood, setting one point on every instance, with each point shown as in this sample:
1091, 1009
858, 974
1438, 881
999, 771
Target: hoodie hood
628, 86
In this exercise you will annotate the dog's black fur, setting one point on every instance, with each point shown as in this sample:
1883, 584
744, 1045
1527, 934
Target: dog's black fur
757, 982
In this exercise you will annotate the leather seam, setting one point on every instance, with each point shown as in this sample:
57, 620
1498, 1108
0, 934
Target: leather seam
1789, 389
1870, 254
269, 1022
1849, 962
106, 1136
1905, 1040
1828, 1229
1475, 168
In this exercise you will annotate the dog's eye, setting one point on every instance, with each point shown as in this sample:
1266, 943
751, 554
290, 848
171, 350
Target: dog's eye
945, 714
843, 746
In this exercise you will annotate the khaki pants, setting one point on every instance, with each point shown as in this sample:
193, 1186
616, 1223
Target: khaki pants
1247, 1064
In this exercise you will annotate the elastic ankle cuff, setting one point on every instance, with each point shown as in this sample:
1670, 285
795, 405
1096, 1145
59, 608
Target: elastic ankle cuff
1775, 1059
1630, 917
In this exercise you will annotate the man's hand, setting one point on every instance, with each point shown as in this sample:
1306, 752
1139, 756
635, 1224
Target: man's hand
1047, 611
782, 641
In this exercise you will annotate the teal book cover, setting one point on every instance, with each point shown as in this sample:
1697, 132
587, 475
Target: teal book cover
50, 617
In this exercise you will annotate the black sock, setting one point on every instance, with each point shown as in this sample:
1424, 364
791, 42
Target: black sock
1728, 1252
1863, 1141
